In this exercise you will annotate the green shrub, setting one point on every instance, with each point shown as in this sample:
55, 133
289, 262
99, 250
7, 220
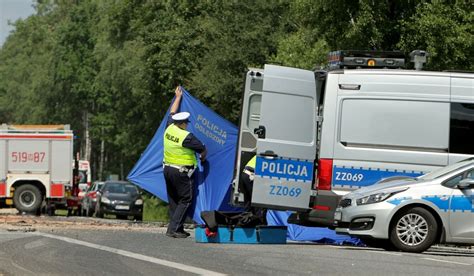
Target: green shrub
154, 209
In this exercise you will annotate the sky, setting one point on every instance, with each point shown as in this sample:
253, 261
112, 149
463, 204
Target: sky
11, 10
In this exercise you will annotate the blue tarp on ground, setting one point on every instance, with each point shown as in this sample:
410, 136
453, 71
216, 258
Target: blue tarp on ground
314, 234
213, 180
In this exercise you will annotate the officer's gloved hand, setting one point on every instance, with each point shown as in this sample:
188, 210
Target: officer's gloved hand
203, 155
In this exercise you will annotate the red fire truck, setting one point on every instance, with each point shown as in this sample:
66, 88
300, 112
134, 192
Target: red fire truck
35, 166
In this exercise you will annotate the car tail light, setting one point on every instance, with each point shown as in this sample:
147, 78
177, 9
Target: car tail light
93, 195
324, 174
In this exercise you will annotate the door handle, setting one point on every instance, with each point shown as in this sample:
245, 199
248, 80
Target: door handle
260, 131
268, 154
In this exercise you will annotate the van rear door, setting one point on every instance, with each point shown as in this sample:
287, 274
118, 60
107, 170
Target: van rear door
249, 120
286, 144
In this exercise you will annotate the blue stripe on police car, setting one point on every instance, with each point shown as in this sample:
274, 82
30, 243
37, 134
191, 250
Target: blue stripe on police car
459, 203
397, 201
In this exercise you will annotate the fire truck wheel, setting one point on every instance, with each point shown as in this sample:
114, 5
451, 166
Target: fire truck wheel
27, 198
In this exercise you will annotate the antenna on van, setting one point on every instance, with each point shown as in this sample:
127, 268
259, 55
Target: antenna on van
418, 57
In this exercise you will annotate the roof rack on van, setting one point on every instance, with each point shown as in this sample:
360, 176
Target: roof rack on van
345, 59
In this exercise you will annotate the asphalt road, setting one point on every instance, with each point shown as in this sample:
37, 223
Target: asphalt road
128, 252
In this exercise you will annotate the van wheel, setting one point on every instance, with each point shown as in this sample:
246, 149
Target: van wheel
414, 230
27, 198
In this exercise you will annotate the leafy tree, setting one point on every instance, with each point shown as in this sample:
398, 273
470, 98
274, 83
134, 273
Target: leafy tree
109, 68
23, 70
445, 31
236, 35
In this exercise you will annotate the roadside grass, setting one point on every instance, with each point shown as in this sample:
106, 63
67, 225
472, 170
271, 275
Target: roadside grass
154, 209
59, 212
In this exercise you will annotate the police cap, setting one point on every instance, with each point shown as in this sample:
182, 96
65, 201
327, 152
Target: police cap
181, 117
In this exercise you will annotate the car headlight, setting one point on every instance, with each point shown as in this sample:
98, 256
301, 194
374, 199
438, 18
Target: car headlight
138, 202
378, 197
105, 200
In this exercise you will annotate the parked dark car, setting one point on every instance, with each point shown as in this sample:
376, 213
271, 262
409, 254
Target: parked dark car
90, 198
120, 198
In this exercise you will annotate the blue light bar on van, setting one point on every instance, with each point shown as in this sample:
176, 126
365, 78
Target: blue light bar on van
346, 59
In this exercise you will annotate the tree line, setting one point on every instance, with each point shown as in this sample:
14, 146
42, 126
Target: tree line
109, 68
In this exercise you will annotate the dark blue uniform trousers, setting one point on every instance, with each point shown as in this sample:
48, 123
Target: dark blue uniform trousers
180, 195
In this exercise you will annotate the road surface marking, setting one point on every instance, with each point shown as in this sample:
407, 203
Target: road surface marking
17, 266
387, 253
187, 268
443, 261
34, 244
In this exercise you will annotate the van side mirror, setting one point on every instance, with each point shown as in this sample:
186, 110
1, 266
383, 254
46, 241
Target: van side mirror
466, 184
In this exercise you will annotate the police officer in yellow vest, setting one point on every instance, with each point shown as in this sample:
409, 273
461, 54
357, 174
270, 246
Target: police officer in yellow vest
179, 164
246, 178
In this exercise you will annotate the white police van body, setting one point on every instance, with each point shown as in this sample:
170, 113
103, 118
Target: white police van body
318, 136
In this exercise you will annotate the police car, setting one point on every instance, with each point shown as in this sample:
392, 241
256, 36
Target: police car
412, 214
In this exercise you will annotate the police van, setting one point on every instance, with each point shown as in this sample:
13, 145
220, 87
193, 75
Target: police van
321, 134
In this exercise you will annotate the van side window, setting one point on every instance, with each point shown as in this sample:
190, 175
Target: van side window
461, 135
395, 124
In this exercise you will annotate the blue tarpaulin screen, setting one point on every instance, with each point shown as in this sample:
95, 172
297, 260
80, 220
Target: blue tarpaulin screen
213, 179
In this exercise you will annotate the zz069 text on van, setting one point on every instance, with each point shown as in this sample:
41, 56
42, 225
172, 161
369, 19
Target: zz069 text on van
284, 191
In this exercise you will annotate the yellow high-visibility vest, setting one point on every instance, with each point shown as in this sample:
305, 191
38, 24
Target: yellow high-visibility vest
174, 152
252, 162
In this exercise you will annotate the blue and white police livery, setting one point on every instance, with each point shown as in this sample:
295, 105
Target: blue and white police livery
413, 213
297, 170
283, 181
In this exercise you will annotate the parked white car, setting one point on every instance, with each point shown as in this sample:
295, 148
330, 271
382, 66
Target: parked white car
411, 214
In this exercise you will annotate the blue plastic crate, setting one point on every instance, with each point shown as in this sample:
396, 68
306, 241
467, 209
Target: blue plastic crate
254, 235
223, 236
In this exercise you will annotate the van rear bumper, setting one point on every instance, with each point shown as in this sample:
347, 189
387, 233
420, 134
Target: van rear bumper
322, 212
